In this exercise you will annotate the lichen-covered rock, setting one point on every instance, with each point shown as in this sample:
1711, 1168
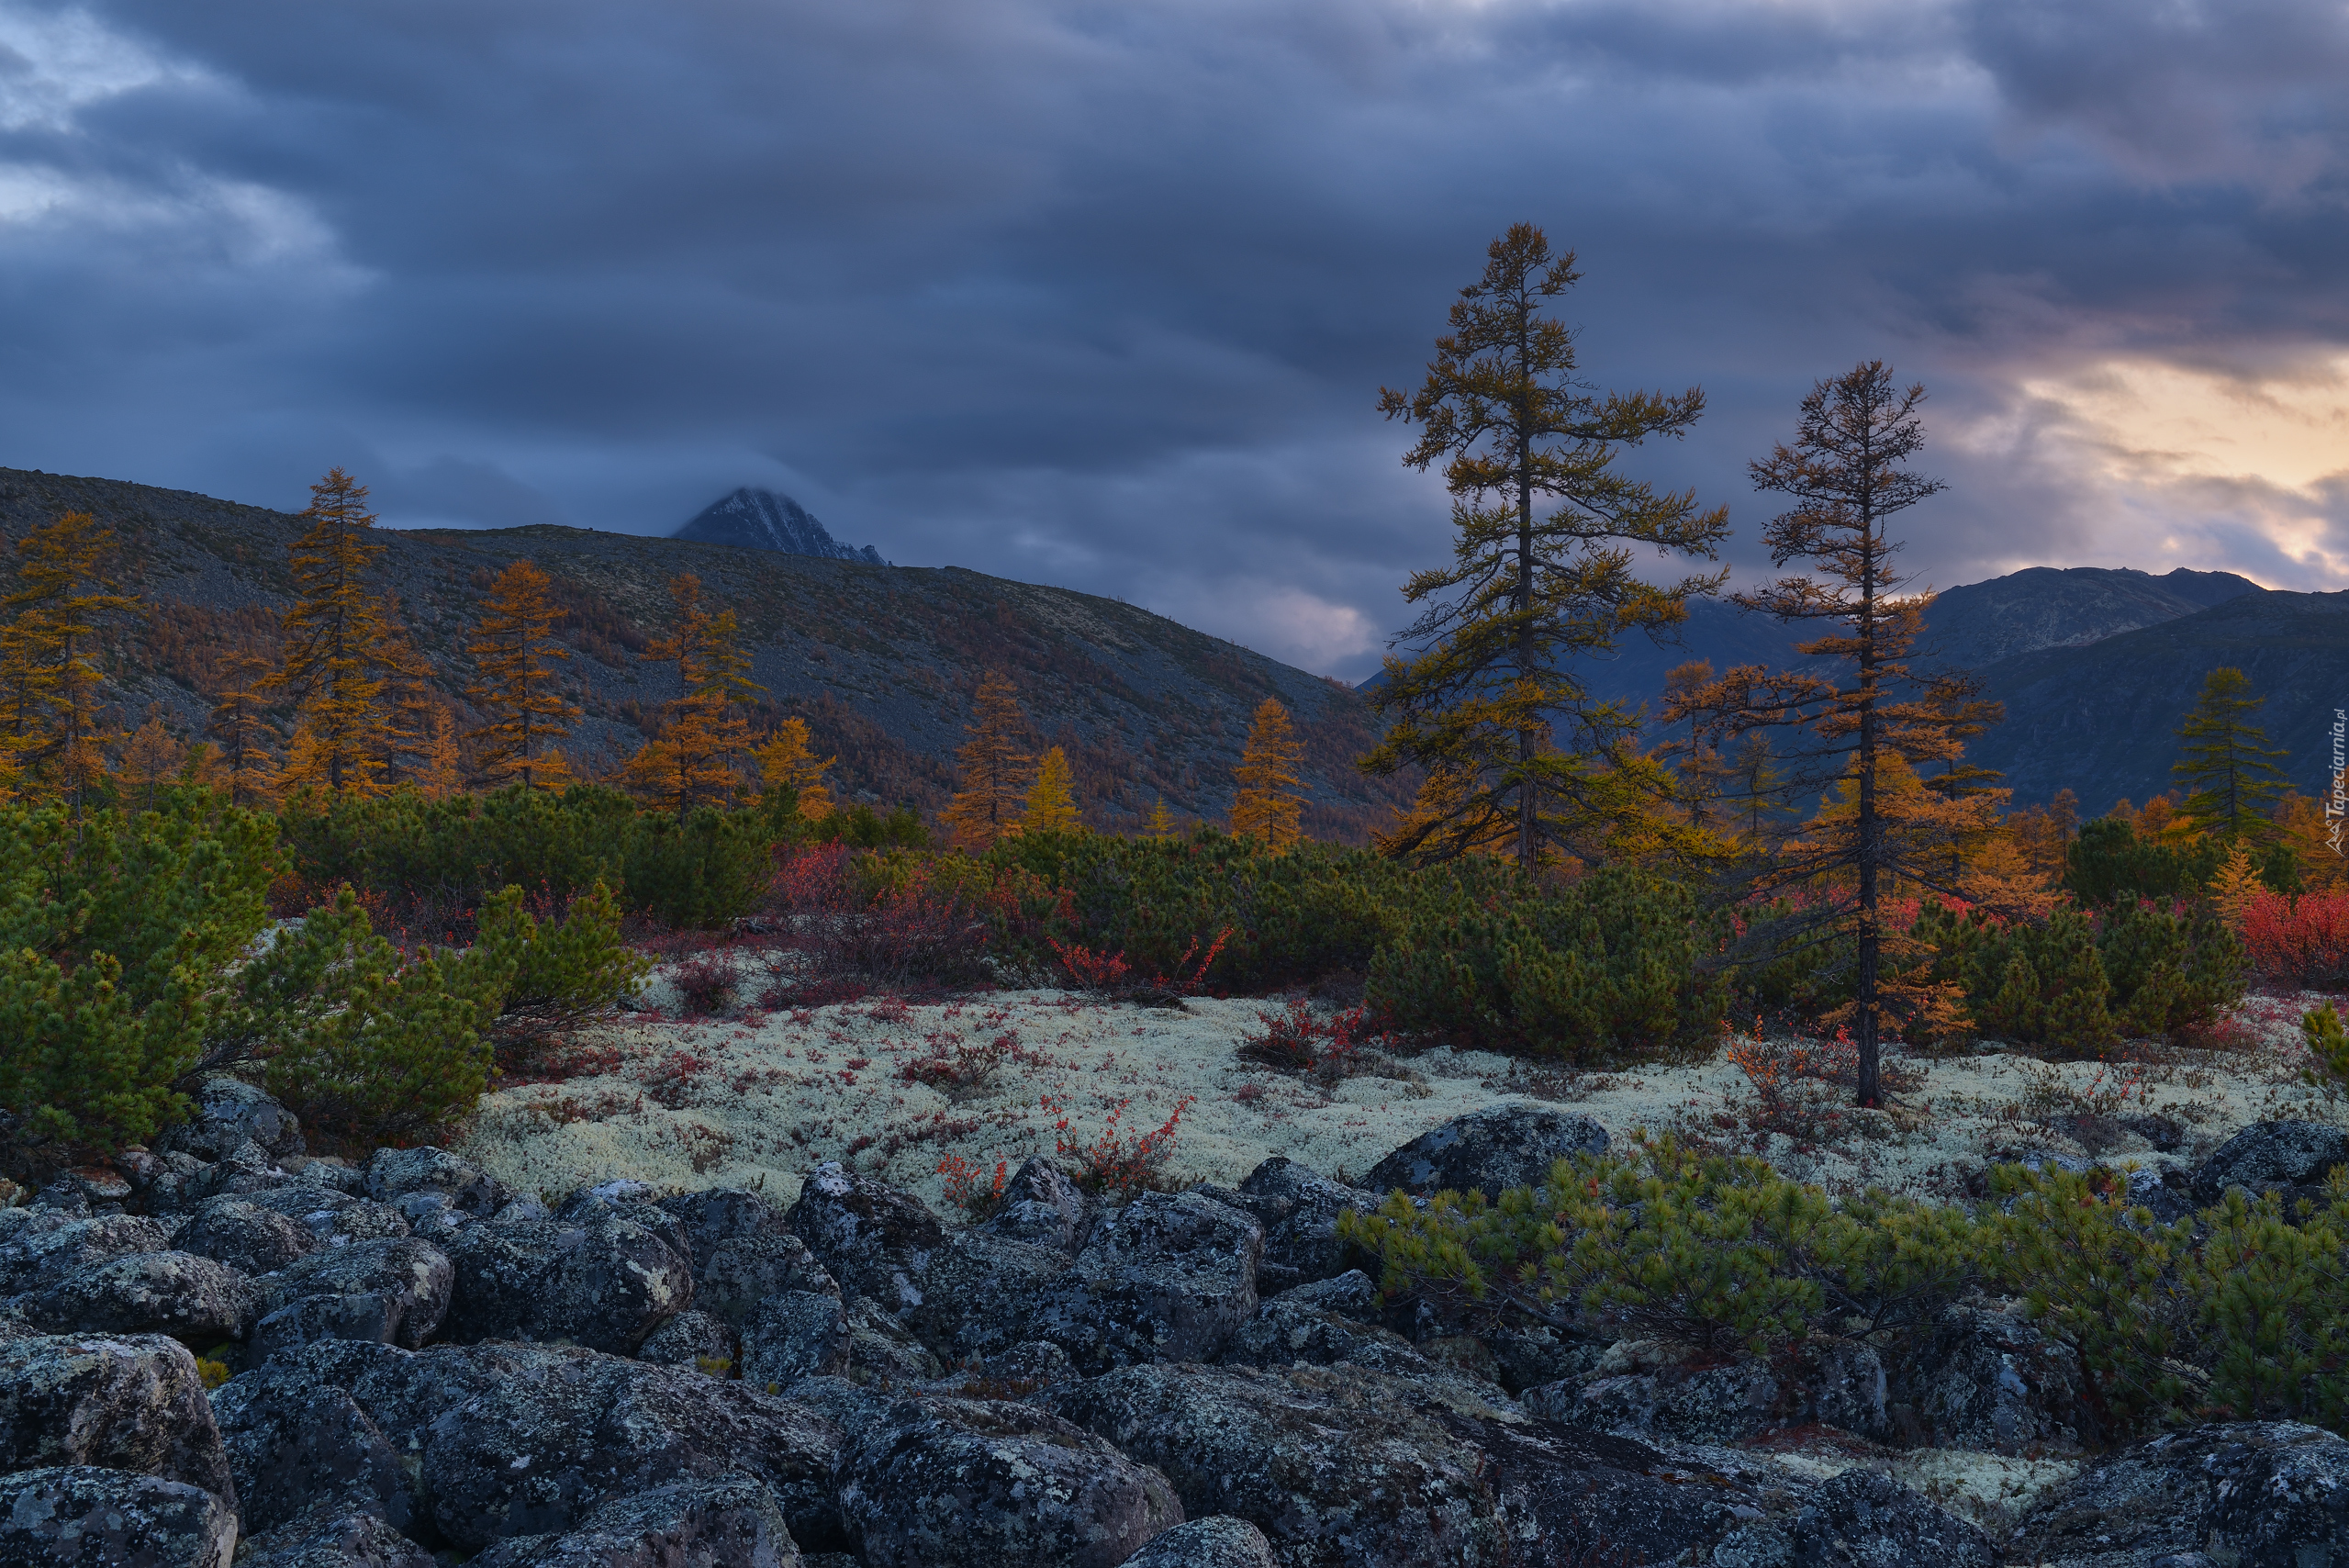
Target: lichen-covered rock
604, 1282
632, 1201
1986, 1380
246, 1236
719, 1214
1842, 1385
1041, 1206
872, 1238
130, 1403
87, 1517
792, 1335
743, 1270
1728, 1404
299, 1446
44, 1247
696, 1341
881, 1349
1299, 1208
335, 1218
403, 1391
983, 1293
2256, 1494
2289, 1158
1488, 1151
1863, 1518
1525, 1358
1171, 1276
345, 1540
1216, 1541
395, 1290
1287, 1331
229, 1111
177, 1293
978, 1483
732, 1523
537, 1450
396, 1173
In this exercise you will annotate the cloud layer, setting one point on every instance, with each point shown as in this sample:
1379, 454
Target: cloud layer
1100, 294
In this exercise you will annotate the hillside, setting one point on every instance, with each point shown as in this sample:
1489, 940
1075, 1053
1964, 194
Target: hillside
881, 661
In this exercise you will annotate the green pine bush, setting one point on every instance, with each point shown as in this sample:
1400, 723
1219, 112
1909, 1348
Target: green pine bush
565, 972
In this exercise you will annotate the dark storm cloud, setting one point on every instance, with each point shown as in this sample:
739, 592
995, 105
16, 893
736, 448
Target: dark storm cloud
1102, 294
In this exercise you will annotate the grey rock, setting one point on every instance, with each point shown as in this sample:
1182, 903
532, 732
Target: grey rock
395, 1174
404, 1392
794, 1334
730, 1523
2289, 1158
1843, 1385
85, 1517
177, 1293
696, 1341
977, 1483
1218, 1541
1488, 1151
396, 1292
1986, 1380
172, 1182
881, 1349
521, 1211
124, 1402
1287, 1331
1863, 1518
1299, 1210
1525, 1358
335, 1218
1041, 1206
1722, 1405
246, 1236
983, 1293
300, 1447
228, 1114
1352, 1294
743, 1270
630, 1201
2253, 1493
541, 1446
1168, 1277
47, 1245
604, 1282
719, 1214
873, 1238
346, 1540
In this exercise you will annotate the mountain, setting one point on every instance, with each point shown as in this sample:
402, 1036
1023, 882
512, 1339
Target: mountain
761, 520
881, 661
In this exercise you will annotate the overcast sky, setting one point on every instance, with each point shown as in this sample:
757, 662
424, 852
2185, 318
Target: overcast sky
1102, 295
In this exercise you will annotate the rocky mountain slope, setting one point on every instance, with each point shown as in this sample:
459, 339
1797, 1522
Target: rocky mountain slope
881, 661
761, 520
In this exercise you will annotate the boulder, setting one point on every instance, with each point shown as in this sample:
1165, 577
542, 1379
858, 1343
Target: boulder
794, 1334
743, 1270
983, 1293
248, 1168
403, 1393
1726, 1404
943, 1483
230, 1113
43, 1246
696, 1341
2289, 1158
719, 1214
1299, 1210
603, 1282
246, 1236
535, 1453
87, 1517
396, 1173
628, 1200
1218, 1541
1986, 1380
131, 1403
881, 1349
1297, 1330
730, 1523
394, 1292
177, 1293
170, 1182
1525, 1358
1863, 1518
1488, 1151
2254, 1493
301, 1448
1171, 1276
346, 1540
873, 1238
1041, 1206
334, 1217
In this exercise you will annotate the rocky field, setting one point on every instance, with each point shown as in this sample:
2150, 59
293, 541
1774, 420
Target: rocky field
703, 1301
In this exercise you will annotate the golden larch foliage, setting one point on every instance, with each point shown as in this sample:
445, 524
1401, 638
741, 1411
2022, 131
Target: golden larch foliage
1162, 822
65, 598
1050, 806
1268, 806
511, 647
993, 769
788, 762
152, 758
241, 722
342, 648
2236, 884
691, 761
441, 772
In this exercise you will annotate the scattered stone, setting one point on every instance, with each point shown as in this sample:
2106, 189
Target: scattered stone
230, 1113
131, 1403
1218, 1541
1171, 1276
395, 1174
349, 1541
1863, 1518
45, 1246
1488, 1151
1299, 1210
719, 1214
983, 1293
977, 1483
2289, 1158
103, 1187
246, 1236
1672, 1402
605, 1283
84, 1516
696, 1341
1042, 1208
393, 1291
881, 1349
299, 1448
1986, 1380
743, 1270
732, 1523
177, 1293
792, 1335
873, 1238
2255, 1493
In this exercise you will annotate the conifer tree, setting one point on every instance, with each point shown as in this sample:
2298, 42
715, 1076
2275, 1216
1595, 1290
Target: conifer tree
152, 758
691, 761
1268, 806
1051, 804
1847, 472
2225, 762
1531, 765
512, 647
439, 773
241, 722
993, 769
787, 767
1701, 776
1162, 822
342, 648
64, 599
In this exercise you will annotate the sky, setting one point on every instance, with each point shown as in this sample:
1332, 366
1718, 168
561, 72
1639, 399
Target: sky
1102, 294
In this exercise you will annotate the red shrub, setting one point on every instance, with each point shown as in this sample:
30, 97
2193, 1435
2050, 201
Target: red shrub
1299, 1040
2303, 940
1111, 1162
707, 980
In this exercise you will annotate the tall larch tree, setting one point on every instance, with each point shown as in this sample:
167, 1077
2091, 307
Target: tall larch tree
993, 769
1268, 806
1522, 760
1864, 731
65, 598
239, 721
692, 761
514, 649
2225, 762
789, 772
341, 647
1050, 804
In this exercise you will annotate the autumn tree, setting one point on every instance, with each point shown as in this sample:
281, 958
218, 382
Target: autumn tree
994, 776
1050, 805
691, 761
342, 646
1521, 759
152, 758
64, 599
1268, 806
1161, 823
788, 771
1847, 472
1702, 778
2225, 762
512, 647
439, 772
239, 721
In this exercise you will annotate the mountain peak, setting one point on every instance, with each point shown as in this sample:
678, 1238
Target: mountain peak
764, 519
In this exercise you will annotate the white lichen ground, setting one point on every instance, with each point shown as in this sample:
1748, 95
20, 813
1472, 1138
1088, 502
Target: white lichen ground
754, 1100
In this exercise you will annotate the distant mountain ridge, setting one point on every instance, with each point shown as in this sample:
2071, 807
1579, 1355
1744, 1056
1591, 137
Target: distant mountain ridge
763, 520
